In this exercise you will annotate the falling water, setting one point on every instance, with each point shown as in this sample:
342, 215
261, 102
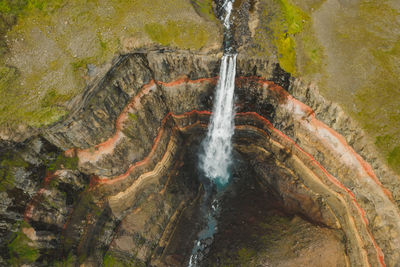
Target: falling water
217, 156
218, 146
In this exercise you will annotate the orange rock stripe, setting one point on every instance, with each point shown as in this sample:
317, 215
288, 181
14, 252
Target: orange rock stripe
331, 178
271, 86
31, 205
108, 146
105, 180
262, 131
308, 110
271, 127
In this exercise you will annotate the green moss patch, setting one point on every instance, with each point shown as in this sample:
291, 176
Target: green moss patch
21, 7
298, 49
178, 33
133, 117
111, 259
204, 8
53, 98
16, 104
22, 250
360, 52
63, 162
394, 158
9, 163
286, 30
285, 27
50, 44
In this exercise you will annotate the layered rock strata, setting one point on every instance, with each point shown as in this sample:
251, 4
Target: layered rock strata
39, 188
168, 99
132, 130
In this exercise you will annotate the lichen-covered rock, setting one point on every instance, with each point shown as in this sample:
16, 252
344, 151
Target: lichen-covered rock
38, 190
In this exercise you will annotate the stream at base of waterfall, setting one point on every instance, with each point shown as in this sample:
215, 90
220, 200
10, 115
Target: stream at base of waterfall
216, 156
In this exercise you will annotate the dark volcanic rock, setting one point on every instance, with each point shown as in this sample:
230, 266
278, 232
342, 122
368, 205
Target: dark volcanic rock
134, 136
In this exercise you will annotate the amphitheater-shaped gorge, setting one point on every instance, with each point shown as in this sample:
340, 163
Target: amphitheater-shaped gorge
116, 181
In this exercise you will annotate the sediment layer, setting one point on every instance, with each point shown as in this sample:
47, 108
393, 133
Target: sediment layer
331, 201
131, 131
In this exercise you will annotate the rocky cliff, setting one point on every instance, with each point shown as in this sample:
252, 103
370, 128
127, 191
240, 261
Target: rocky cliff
107, 174
125, 176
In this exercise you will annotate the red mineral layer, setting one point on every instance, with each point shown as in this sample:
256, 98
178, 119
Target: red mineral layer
361, 212
330, 177
132, 167
108, 146
36, 198
318, 124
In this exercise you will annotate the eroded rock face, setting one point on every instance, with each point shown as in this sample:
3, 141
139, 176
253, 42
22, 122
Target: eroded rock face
39, 189
136, 134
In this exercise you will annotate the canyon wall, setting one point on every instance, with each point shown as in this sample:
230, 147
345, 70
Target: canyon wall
132, 134
98, 150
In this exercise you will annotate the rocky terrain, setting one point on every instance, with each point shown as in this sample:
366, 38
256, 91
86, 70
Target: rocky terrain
132, 135
115, 180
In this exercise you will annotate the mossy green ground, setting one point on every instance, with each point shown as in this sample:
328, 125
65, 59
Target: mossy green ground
362, 63
205, 9
290, 24
46, 46
351, 50
180, 33
63, 162
22, 250
286, 31
111, 260
9, 163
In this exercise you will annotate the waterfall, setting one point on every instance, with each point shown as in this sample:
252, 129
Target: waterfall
217, 156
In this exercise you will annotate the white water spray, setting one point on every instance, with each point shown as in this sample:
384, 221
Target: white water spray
218, 144
228, 5
217, 155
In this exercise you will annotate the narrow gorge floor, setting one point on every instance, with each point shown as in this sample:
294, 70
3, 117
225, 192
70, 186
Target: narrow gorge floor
254, 229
